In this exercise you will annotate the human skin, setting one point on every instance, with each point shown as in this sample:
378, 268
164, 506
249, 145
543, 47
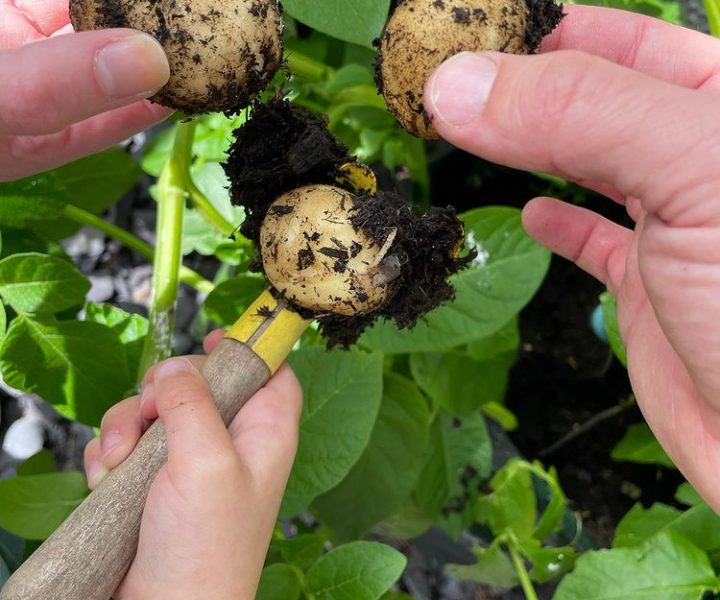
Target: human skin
628, 106
67, 96
211, 509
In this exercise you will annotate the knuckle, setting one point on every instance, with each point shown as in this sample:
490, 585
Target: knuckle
181, 394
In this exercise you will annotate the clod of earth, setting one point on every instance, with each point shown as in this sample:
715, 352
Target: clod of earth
221, 54
361, 256
422, 34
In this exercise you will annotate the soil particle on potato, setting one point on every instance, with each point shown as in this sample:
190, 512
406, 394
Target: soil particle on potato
283, 147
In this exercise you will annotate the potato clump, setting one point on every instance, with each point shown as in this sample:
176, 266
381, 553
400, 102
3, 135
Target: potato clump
315, 257
221, 54
422, 34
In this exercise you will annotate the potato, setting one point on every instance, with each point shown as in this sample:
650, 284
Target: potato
422, 34
316, 257
221, 54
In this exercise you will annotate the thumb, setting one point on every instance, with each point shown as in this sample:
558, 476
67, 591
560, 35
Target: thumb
584, 118
50, 84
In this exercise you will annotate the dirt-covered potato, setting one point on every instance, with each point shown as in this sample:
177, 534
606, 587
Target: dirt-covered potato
221, 54
316, 257
422, 34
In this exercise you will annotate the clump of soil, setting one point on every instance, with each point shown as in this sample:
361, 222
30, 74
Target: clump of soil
283, 147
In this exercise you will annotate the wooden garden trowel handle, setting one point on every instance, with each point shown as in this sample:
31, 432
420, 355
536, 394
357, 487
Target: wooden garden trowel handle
88, 555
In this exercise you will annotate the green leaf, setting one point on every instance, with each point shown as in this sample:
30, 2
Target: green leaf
3, 322
493, 567
231, 298
301, 551
130, 328
460, 447
33, 506
699, 524
357, 571
687, 495
38, 283
28, 201
501, 415
460, 384
78, 366
547, 562
279, 582
667, 566
609, 312
93, 184
387, 471
640, 446
359, 22
12, 549
504, 341
342, 398
4, 572
39, 463
511, 507
508, 271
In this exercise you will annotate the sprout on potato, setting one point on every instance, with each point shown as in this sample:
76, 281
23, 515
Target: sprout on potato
422, 34
221, 54
316, 258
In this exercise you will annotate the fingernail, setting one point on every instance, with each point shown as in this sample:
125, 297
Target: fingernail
96, 473
132, 68
108, 441
147, 391
460, 87
172, 367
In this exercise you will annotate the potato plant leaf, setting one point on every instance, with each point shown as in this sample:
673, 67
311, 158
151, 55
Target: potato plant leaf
301, 551
357, 571
39, 463
459, 446
342, 398
610, 321
39, 283
30, 200
389, 467
33, 506
640, 446
503, 278
667, 566
4, 572
699, 524
279, 582
493, 567
228, 301
359, 22
78, 366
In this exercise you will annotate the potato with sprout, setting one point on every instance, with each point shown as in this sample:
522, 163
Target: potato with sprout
221, 54
422, 34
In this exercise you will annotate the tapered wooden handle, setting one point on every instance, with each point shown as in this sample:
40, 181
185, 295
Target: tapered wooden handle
87, 557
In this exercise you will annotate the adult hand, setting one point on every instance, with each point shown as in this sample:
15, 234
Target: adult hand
67, 96
211, 509
629, 106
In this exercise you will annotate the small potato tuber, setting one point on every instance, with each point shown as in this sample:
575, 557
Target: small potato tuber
422, 34
221, 54
315, 257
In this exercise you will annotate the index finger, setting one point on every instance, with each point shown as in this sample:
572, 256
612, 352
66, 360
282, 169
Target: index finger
46, 16
654, 47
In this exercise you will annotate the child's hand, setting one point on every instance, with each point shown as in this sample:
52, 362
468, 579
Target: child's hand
211, 509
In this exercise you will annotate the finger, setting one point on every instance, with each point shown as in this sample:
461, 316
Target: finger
595, 244
196, 435
652, 46
265, 431
46, 16
148, 407
50, 84
212, 340
583, 118
23, 156
120, 430
15, 29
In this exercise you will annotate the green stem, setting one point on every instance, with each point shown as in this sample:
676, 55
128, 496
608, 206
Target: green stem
83, 217
207, 209
306, 67
712, 8
522, 572
172, 193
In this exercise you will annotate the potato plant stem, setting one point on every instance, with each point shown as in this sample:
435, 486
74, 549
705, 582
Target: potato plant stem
306, 67
522, 573
172, 193
83, 217
712, 8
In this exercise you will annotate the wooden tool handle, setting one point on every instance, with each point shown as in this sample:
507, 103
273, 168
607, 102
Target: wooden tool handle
87, 557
